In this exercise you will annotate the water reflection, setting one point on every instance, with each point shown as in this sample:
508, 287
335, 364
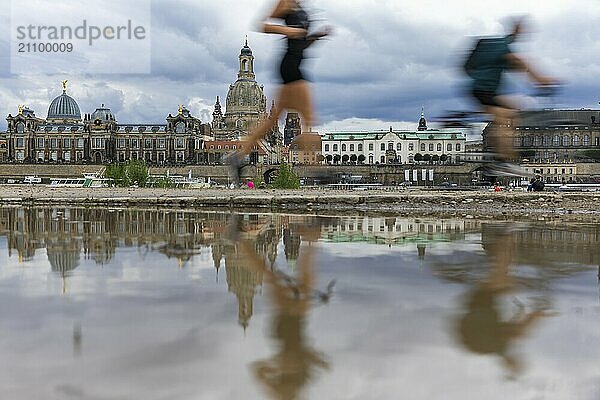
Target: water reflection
520, 261
483, 328
286, 373
178, 294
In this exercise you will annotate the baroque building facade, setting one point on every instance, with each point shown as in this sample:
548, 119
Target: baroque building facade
65, 136
245, 106
554, 144
556, 135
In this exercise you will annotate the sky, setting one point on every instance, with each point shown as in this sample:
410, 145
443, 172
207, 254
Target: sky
386, 59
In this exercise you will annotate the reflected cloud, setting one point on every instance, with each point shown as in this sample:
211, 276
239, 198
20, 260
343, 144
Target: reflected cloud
175, 304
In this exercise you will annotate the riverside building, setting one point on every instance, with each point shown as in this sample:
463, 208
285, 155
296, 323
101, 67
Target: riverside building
394, 147
66, 136
556, 136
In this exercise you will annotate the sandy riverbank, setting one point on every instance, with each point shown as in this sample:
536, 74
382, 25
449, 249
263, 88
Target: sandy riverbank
465, 203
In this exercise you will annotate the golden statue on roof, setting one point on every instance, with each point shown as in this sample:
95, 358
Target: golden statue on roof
21, 108
64, 84
180, 109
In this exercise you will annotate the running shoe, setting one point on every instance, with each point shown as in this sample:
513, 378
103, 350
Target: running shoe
504, 169
235, 163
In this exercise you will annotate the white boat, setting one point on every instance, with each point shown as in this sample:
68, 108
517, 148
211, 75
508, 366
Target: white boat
88, 181
182, 181
67, 182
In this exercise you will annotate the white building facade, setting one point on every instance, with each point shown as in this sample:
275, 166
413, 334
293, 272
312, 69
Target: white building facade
393, 147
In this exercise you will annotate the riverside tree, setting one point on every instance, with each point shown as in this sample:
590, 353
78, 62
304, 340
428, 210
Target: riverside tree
133, 172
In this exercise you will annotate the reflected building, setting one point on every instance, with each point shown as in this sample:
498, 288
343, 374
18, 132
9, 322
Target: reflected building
558, 244
243, 282
396, 231
291, 242
64, 257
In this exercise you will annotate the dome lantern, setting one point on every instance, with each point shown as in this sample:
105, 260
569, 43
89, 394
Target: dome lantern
246, 71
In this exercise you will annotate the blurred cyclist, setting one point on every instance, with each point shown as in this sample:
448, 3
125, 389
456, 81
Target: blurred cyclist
485, 66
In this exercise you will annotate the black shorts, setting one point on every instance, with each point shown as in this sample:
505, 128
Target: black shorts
487, 98
290, 68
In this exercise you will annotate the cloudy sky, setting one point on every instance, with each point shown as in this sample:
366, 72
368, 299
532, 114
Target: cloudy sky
386, 59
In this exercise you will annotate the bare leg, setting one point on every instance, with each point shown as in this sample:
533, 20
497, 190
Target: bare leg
501, 252
501, 135
261, 130
299, 96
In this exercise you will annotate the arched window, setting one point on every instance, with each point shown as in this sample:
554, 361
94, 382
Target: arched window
390, 146
546, 140
382, 146
326, 147
537, 141
344, 147
360, 147
399, 146
422, 146
556, 141
352, 147
449, 147
335, 147
566, 141
527, 141
458, 147
439, 147
430, 146
586, 140
517, 141
576, 140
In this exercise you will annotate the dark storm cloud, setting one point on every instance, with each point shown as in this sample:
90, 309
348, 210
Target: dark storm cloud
385, 60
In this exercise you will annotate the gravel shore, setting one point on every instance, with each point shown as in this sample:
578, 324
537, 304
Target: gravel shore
479, 203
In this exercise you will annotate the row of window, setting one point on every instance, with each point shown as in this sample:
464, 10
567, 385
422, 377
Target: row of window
160, 157
390, 146
556, 141
226, 147
148, 143
97, 143
54, 156
371, 160
52, 143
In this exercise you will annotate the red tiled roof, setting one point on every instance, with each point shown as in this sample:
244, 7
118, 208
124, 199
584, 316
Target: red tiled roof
232, 145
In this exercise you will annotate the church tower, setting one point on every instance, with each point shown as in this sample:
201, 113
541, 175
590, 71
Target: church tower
246, 103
